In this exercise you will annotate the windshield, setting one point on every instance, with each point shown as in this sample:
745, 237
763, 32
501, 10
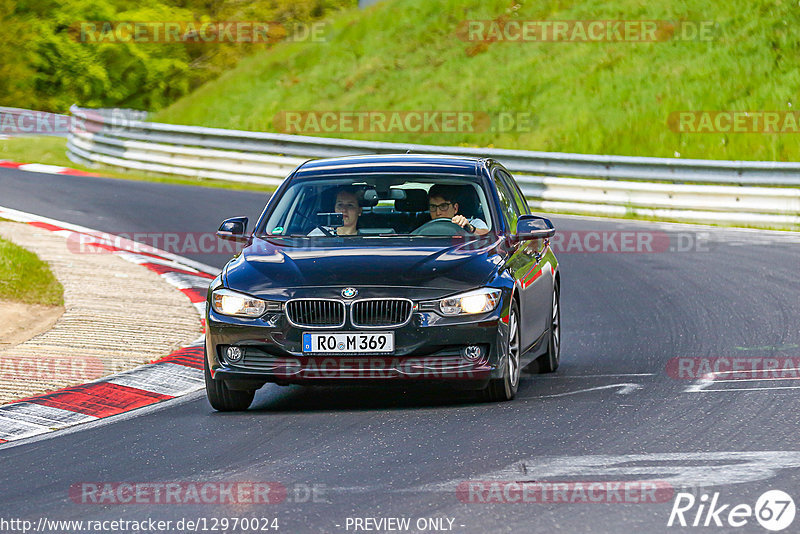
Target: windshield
381, 206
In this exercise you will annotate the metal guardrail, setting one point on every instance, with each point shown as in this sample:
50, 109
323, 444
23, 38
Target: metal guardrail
741, 192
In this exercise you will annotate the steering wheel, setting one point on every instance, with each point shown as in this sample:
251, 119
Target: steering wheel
441, 226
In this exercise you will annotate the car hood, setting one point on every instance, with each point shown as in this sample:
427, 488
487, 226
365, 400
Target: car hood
270, 266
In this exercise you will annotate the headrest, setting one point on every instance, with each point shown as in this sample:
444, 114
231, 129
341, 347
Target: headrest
468, 203
366, 197
416, 200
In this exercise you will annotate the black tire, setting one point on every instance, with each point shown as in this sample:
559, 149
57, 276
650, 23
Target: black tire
549, 361
505, 388
223, 399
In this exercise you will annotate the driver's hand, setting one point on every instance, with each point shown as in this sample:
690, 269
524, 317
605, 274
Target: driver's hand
460, 220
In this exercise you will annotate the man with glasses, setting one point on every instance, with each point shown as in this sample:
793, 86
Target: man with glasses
442, 203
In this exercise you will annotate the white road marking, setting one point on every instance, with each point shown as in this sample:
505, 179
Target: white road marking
625, 389
141, 258
200, 307
162, 378
745, 389
592, 376
757, 379
48, 416
702, 384
39, 167
12, 429
699, 386
199, 342
717, 373
186, 281
124, 416
25, 419
682, 469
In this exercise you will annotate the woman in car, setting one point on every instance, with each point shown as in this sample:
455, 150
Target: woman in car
346, 204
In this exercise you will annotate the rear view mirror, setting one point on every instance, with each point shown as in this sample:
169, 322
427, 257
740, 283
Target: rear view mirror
233, 229
534, 227
370, 198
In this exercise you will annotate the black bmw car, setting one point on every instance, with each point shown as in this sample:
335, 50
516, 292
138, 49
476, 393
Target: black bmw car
385, 267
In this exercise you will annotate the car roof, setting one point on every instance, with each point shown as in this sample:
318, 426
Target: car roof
393, 163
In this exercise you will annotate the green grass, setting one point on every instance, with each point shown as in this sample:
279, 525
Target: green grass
26, 278
52, 151
596, 98
40, 149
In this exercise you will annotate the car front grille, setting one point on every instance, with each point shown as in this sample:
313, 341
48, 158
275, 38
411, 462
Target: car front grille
379, 313
315, 313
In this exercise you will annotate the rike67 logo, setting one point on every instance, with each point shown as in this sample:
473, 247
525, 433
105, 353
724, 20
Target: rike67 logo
774, 510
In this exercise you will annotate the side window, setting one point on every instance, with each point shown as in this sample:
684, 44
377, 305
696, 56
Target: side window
507, 205
519, 198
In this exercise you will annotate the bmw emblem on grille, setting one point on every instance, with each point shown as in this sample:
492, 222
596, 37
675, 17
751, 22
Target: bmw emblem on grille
349, 292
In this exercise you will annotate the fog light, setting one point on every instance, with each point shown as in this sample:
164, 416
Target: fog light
233, 354
471, 353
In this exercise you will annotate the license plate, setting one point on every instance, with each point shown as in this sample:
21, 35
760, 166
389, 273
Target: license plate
348, 342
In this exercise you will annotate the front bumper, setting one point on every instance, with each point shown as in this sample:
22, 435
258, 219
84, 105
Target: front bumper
428, 348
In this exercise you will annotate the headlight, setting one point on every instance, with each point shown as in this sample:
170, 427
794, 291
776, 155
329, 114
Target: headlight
229, 302
478, 301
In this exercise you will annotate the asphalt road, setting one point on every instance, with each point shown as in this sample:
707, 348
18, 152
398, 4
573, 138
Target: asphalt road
613, 412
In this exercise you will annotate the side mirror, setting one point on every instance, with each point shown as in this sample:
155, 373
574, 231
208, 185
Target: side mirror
233, 229
534, 227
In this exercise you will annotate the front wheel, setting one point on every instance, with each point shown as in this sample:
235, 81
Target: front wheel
221, 397
505, 388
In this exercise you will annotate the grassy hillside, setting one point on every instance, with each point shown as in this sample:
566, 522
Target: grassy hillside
26, 278
591, 97
59, 52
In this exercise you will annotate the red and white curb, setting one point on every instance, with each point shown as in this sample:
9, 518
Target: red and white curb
40, 167
172, 376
